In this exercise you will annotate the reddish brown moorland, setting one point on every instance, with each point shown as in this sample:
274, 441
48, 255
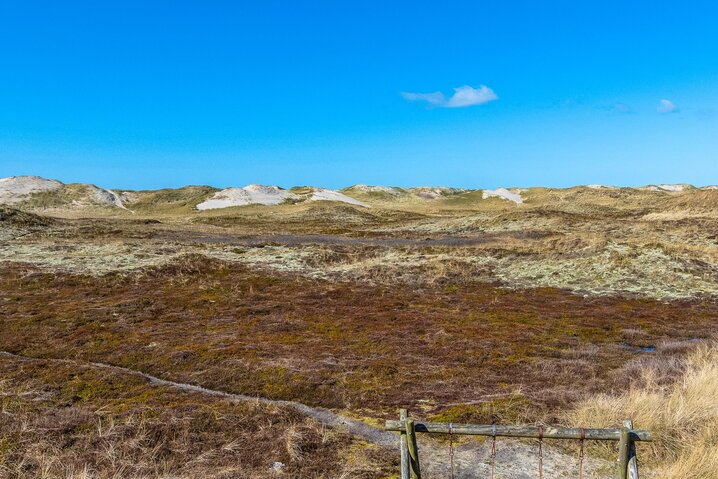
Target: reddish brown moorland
368, 348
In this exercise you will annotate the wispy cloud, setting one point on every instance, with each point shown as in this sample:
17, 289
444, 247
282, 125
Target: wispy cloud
616, 108
463, 96
622, 108
436, 98
666, 106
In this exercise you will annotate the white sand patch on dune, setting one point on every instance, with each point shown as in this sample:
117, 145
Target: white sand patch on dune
503, 193
107, 197
670, 188
249, 195
429, 194
709, 187
377, 189
602, 187
323, 194
128, 197
435, 192
16, 188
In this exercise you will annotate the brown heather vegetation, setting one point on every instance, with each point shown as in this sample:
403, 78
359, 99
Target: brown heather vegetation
79, 422
460, 309
344, 345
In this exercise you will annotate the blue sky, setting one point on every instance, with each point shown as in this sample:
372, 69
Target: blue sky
162, 94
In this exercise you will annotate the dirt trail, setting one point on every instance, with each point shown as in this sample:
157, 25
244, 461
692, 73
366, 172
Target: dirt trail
337, 240
514, 459
357, 428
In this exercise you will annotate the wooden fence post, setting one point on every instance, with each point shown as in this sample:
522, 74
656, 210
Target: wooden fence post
404, 451
413, 450
623, 449
632, 458
627, 436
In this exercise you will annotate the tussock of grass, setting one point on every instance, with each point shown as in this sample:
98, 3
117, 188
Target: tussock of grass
14, 217
683, 415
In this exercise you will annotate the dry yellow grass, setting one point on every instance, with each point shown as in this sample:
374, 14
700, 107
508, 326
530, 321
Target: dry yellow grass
683, 415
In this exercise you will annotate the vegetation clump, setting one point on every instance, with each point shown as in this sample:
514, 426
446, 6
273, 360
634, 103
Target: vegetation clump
682, 413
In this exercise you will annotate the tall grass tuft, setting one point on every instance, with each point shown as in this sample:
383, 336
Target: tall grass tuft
683, 415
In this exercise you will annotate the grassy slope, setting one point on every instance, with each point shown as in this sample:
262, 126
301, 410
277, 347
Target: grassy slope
182, 201
169, 201
64, 420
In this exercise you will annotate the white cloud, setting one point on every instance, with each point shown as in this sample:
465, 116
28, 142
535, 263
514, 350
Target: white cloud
467, 96
666, 106
463, 96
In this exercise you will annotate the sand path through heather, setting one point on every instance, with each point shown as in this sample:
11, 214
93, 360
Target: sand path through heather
514, 459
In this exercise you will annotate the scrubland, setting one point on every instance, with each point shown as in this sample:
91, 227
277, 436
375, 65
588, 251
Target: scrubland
579, 306
73, 421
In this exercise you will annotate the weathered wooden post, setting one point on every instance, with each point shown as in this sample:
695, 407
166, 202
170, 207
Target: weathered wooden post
403, 447
632, 458
413, 450
626, 465
623, 450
